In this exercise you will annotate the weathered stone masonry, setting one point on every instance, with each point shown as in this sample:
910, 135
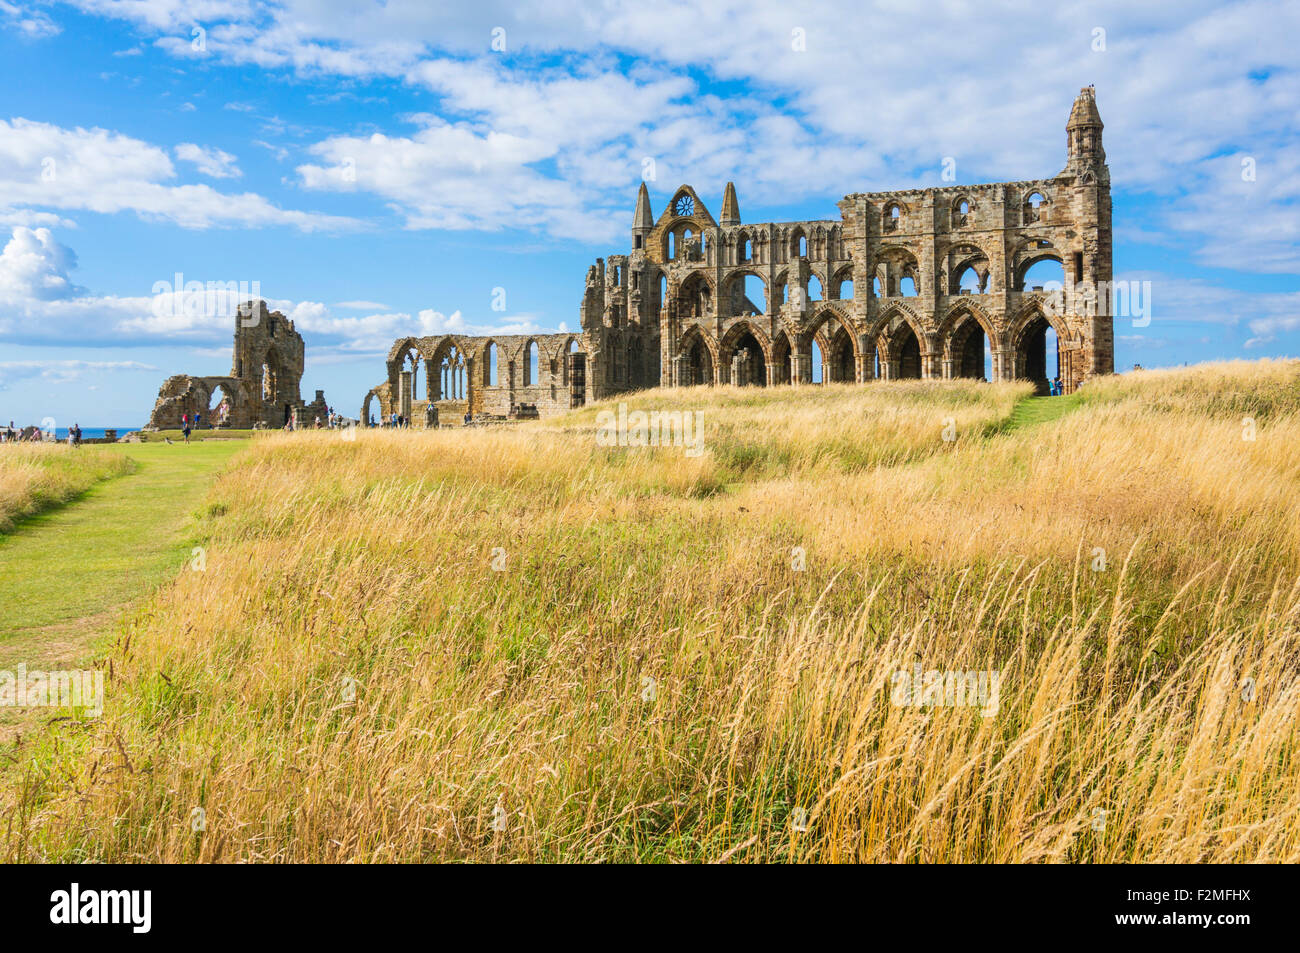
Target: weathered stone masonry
674, 310
263, 387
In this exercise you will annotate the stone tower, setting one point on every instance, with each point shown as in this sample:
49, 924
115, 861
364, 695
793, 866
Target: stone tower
643, 220
263, 387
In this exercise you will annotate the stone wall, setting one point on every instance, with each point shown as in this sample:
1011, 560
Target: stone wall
262, 389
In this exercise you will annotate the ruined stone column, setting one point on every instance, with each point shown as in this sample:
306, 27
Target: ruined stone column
800, 366
404, 398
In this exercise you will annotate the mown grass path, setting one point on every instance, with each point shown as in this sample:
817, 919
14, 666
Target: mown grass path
1041, 410
65, 572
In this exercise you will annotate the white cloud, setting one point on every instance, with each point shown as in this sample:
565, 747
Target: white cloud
872, 98
34, 266
39, 304
64, 371
33, 24
210, 161
45, 166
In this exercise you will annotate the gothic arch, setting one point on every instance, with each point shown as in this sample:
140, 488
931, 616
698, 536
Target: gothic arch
699, 356
957, 312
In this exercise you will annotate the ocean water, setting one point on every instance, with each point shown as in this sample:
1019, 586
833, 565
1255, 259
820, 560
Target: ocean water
87, 433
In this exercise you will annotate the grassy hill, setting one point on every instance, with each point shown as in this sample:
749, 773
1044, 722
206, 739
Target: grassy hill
520, 643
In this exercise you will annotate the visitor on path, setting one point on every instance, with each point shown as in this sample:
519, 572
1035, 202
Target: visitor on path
186, 429
1057, 385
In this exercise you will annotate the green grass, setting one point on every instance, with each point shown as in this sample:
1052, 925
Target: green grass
39, 477
197, 435
1040, 410
120, 537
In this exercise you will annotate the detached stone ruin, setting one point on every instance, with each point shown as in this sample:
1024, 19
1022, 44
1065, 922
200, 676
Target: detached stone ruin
262, 390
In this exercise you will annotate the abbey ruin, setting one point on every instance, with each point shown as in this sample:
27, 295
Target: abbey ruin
262, 389
922, 283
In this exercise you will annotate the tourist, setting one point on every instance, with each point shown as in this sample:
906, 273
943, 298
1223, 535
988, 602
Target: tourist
197, 418
186, 429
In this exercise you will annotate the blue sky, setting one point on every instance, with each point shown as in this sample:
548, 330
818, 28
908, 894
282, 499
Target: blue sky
378, 169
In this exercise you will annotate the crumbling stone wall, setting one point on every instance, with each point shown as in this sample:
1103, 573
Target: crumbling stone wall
262, 389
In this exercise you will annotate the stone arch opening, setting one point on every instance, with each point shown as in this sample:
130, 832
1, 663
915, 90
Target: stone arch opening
967, 349
840, 364
270, 377
835, 348
532, 364
746, 293
1038, 352
490, 358
781, 359
748, 365
221, 405
1043, 273
905, 353
1031, 210
695, 297
451, 367
891, 217
698, 361
368, 410
798, 244
841, 286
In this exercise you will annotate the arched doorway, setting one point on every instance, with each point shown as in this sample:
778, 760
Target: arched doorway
221, 405
968, 351
698, 363
781, 359
368, 411
1038, 353
840, 364
908, 349
748, 368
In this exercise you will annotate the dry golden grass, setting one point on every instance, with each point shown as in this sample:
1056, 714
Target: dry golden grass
34, 476
649, 678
